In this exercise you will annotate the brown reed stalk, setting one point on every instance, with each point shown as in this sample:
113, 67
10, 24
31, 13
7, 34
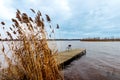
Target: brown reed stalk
31, 59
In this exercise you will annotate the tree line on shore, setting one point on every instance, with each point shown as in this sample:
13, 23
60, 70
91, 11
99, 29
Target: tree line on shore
100, 39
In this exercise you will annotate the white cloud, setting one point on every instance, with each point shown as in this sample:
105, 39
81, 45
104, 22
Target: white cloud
86, 15
63, 7
59, 10
55, 8
6, 10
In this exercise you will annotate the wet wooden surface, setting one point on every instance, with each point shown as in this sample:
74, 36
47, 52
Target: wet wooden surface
65, 56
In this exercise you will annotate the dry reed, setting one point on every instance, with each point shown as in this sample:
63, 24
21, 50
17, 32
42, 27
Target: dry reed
31, 59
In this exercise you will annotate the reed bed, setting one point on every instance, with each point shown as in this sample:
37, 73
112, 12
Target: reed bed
32, 59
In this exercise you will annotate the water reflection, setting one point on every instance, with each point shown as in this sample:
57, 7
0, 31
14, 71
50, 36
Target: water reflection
102, 61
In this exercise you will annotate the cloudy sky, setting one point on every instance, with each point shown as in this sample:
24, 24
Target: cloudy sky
77, 18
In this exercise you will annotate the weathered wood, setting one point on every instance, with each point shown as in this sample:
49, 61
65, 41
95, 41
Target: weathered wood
64, 58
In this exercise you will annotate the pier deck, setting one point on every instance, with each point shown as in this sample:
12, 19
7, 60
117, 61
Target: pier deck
64, 58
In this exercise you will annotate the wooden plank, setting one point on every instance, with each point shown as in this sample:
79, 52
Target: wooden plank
67, 56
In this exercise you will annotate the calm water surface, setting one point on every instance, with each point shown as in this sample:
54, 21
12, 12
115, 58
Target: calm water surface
101, 62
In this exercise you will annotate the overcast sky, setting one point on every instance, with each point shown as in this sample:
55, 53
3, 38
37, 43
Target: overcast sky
77, 18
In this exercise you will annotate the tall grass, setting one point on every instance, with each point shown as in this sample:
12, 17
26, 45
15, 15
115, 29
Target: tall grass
31, 59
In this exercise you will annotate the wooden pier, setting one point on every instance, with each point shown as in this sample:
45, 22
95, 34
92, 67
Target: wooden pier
66, 57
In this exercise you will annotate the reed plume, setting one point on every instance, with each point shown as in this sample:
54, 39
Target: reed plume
32, 59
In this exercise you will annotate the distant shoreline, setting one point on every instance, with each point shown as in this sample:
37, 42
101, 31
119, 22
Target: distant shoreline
47, 40
99, 41
86, 40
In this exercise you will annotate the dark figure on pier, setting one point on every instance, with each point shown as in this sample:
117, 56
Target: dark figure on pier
69, 47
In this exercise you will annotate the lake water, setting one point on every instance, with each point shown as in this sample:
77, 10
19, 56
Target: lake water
101, 62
